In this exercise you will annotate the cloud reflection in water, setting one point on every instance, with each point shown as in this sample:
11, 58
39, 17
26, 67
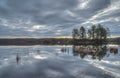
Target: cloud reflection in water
51, 62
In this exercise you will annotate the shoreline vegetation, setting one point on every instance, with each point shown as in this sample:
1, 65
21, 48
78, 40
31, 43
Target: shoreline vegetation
57, 41
96, 35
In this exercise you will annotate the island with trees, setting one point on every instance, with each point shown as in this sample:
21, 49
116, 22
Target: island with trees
97, 34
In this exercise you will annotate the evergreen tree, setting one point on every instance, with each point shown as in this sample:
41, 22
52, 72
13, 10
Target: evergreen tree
93, 29
82, 32
89, 34
75, 33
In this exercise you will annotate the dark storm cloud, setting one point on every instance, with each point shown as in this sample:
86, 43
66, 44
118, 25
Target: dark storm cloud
22, 15
30, 7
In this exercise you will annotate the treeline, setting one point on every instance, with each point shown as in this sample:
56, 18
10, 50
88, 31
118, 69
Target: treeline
95, 32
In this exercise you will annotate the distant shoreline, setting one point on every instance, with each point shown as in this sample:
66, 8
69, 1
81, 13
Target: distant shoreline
26, 37
54, 41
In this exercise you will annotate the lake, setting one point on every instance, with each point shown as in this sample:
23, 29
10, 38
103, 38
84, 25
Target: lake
60, 61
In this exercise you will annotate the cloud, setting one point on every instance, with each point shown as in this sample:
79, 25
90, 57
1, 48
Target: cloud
24, 16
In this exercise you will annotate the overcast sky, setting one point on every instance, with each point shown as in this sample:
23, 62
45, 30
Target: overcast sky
36, 18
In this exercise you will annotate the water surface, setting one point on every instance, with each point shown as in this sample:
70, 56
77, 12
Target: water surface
57, 62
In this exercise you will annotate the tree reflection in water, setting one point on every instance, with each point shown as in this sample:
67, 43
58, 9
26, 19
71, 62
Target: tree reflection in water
114, 50
17, 58
65, 49
95, 51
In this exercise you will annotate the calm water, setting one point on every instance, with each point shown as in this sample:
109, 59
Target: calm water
58, 62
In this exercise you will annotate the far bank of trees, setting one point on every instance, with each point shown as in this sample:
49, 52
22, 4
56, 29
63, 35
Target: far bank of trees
95, 32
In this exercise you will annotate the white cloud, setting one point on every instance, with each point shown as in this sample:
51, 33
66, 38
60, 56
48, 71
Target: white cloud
83, 4
117, 19
103, 13
70, 13
37, 27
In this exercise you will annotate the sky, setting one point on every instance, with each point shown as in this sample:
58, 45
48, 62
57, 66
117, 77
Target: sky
49, 18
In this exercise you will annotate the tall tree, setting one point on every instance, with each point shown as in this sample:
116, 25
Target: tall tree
103, 32
108, 31
89, 34
99, 30
93, 29
82, 32
75, 33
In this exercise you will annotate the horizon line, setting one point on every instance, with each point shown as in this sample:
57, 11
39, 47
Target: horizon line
12, 37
